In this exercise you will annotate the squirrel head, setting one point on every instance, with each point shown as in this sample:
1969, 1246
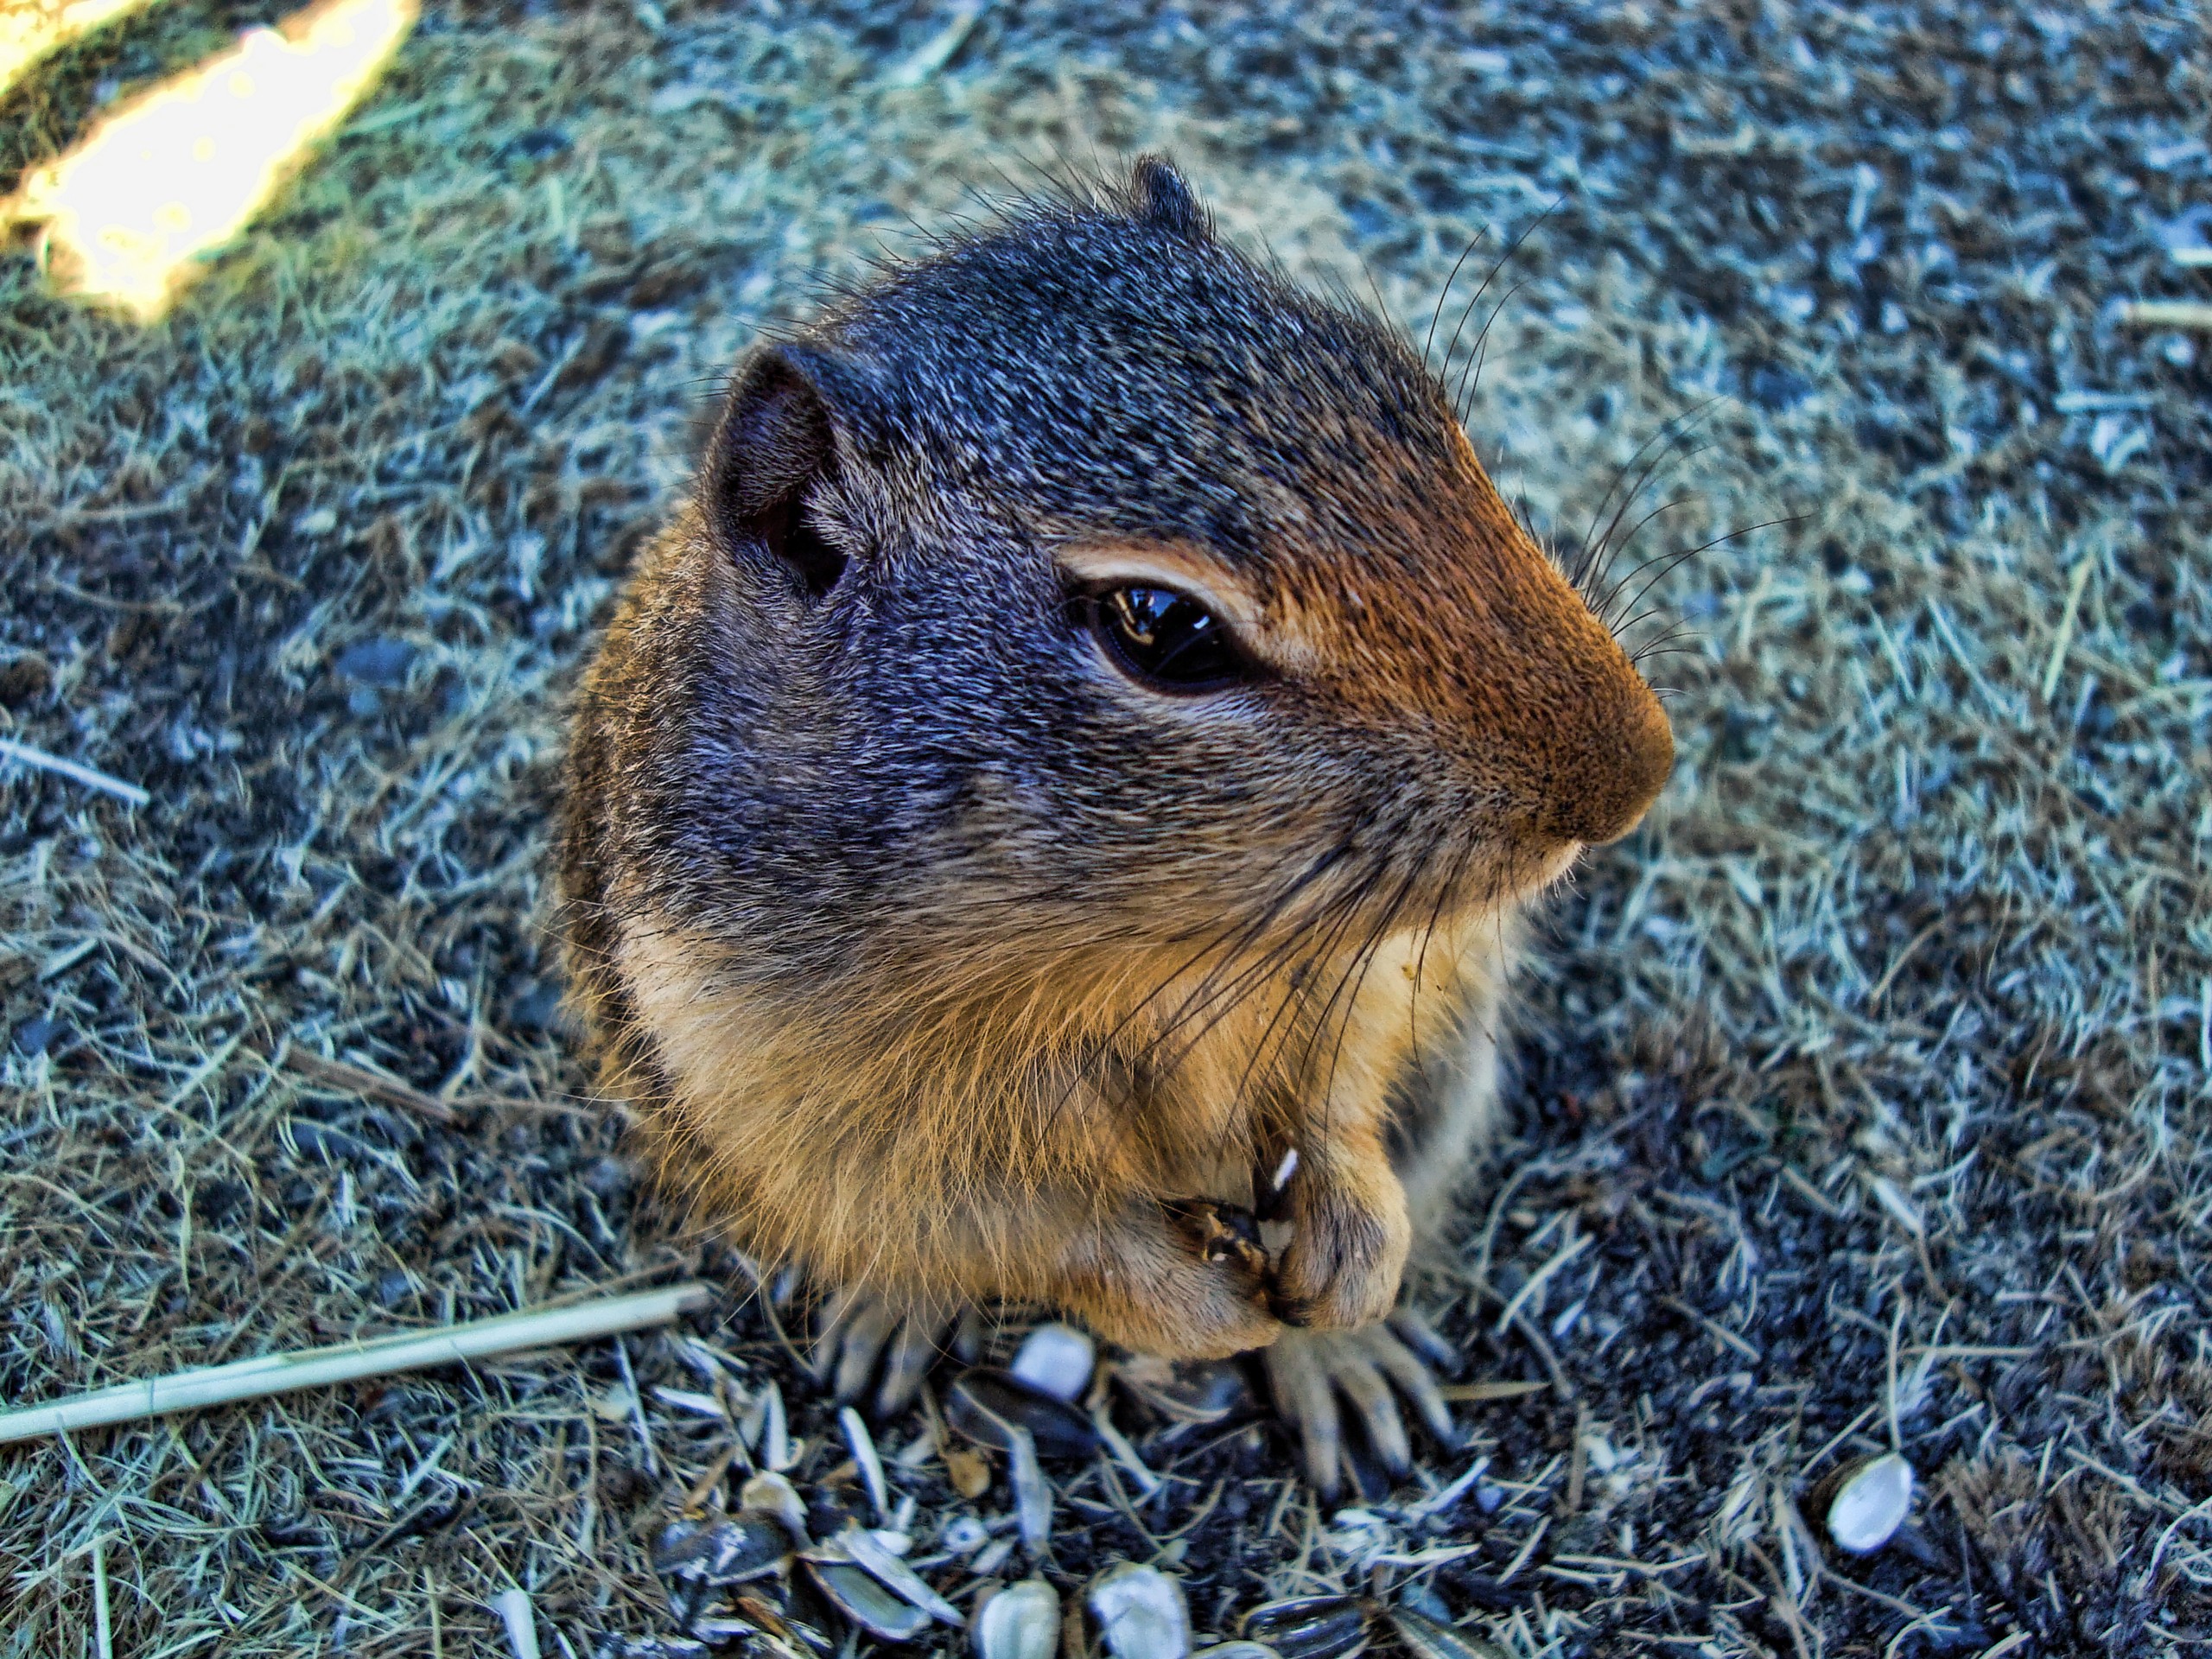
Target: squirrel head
1086, 583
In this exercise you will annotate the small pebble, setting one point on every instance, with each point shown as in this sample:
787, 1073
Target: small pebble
538, 143
606, 1177
1871, 1504
1420, 1596
380, 663
969, 1471
40, 1035
536, 1005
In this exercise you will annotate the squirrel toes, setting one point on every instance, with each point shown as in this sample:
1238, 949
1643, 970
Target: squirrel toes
1068, 776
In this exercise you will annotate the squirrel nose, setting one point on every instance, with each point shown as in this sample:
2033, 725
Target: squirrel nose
1613, 771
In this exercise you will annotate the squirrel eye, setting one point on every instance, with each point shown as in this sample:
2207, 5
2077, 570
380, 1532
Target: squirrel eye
1165, 640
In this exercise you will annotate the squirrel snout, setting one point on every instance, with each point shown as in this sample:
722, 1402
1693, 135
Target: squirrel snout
1612, 771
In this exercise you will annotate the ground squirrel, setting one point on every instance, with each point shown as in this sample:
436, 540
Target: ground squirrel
1089, 736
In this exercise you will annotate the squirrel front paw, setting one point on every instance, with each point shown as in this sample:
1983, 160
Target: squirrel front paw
1184, 1280
1346, 1251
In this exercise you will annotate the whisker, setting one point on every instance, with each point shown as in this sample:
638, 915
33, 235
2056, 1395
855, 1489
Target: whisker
1680, 631
1345, 908
1228, 945
1609, 549
1471, 377
1725, 536
1356, 900
1360, 961
1592, 541
1443, 891
1644, 615
1666, 437
1668, 563
1209, 990
1490, 277
1444, 293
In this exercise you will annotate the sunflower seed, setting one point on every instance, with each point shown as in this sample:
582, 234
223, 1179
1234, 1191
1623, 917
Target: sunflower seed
854, 1592
1871, 1504
719, 1550
1140, 1613
776, 1498
985, 1405
1033, 1493
1021, 1622
867, 1549
864, 1454
1055, 1359
964, 1534
1308, 1627
649, 1647
1424, 1638
1204, 1392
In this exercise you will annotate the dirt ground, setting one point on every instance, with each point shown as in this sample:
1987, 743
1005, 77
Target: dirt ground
1861, 1097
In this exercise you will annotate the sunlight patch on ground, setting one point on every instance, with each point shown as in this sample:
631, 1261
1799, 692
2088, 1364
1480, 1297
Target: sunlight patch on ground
31, 29
182, 170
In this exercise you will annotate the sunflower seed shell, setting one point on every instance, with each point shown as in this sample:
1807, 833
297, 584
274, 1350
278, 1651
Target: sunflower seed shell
1021, 1622
1140, 1613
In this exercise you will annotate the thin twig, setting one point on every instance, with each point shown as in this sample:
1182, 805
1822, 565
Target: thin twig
351, 1361
103, 1631
2167, 314
24, 756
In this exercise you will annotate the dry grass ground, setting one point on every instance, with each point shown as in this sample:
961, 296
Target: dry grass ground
1863, 1094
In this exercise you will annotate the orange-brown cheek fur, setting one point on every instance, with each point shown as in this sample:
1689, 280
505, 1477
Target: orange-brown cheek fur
1481, 656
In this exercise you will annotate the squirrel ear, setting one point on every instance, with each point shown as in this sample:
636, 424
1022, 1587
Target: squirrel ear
774, 444
1163, 199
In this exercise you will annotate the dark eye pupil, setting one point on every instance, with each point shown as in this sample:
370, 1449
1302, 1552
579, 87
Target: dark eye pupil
1168, 640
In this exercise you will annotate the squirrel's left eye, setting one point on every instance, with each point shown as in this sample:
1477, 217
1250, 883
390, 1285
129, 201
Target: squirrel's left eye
1165, 640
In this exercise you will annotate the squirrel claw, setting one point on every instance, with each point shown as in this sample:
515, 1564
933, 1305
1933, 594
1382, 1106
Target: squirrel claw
1296, 1312
1315, 1373
1221, 1232
865, 1338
